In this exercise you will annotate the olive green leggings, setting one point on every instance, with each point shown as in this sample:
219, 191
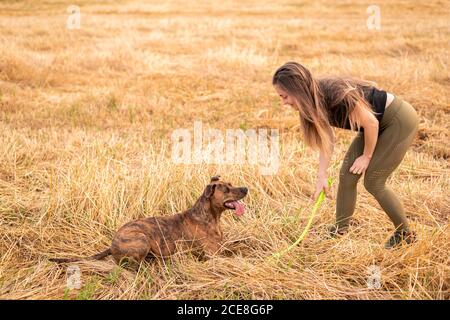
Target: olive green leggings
397, 130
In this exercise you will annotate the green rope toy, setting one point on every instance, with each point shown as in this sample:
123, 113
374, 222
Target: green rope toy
308, 225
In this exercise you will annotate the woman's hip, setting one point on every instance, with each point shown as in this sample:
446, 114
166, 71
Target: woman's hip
400, 113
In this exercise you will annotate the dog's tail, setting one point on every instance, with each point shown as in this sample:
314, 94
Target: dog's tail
97, 256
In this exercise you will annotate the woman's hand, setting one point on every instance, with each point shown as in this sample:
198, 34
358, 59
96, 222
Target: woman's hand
322, 184
360, 165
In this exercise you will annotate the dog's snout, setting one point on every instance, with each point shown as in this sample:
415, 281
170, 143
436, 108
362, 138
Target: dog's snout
244, 190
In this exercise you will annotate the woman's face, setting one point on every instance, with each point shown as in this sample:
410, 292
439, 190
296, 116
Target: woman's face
285, 98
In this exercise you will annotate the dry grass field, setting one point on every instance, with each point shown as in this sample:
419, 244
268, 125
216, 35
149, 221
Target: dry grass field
87, 114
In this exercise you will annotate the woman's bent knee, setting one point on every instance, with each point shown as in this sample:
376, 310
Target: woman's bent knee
374, 184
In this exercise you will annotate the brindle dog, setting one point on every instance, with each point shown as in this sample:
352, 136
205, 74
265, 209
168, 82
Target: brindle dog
197, 227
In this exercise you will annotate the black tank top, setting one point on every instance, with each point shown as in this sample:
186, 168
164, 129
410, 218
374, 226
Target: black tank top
376, 99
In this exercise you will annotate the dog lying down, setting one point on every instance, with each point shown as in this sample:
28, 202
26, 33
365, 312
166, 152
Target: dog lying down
195, 228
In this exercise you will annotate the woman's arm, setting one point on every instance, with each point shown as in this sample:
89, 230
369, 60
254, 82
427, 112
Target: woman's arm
324, 160
370, 124
370, 139
322, 176
324, 163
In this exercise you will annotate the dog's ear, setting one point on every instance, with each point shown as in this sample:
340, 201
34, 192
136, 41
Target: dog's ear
209, 191
215, 178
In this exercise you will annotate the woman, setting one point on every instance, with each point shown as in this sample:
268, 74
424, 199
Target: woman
386, 127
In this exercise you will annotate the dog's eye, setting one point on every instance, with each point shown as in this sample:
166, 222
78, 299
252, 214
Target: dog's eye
227, 189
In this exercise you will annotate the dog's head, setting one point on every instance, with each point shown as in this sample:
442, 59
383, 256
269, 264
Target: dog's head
223, 195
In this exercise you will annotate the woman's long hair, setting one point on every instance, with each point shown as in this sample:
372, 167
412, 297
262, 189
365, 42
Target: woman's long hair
315, 98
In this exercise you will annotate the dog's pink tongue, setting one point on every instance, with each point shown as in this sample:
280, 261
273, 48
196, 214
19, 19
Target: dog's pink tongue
240, 208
